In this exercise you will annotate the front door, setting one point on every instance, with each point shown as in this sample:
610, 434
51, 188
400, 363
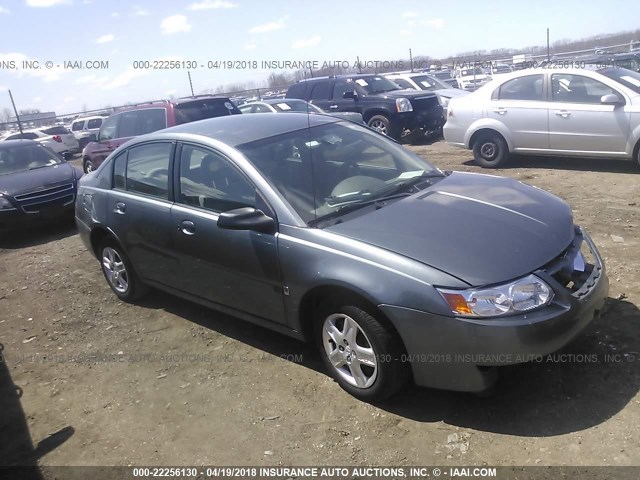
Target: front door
579, 122
237, 269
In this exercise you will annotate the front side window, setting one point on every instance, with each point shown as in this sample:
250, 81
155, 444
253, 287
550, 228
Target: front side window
147, 170
108, 128
128, 124
522, 88
578, 89
151, 120
209, 180
341, 87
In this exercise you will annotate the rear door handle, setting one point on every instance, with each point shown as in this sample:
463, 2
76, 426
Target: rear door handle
120, 208
500, 110
333, 107
563, 113
188, 227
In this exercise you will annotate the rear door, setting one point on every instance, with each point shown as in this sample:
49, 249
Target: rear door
579, 122
237, 269
320, 94
139, 207
519, 106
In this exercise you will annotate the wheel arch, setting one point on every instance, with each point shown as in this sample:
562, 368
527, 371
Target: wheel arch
485, 130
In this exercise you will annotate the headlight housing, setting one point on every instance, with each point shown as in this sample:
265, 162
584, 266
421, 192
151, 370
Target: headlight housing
522, 295
444, 101
403, 105
5, 204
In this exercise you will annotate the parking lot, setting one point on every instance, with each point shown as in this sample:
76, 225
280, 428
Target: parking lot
89, 380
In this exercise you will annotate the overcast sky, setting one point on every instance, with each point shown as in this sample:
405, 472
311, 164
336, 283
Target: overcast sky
122, 32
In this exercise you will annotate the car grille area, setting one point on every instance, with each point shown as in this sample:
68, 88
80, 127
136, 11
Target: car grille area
45, 199
577, 268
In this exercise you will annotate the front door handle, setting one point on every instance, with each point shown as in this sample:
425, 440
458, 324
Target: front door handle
563, 113
500, 110
120, 208
188, 227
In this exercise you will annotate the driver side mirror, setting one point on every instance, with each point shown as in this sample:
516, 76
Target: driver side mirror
611, 99
351, 94
247, 218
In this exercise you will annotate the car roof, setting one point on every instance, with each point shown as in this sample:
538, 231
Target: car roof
346, 75
275, 101
166, 103
236, 130
17, 143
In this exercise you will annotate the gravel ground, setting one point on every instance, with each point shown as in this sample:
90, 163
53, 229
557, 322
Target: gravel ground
88, 380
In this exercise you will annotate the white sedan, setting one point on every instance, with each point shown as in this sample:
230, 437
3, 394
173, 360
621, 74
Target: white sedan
57, 138
549, 111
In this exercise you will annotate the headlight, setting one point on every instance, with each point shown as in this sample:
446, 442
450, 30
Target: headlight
523, 295
403, 105
5, 204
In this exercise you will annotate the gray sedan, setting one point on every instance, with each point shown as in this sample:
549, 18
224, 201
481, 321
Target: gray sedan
324, 230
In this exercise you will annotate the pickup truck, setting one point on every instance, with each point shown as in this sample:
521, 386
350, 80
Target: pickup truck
385, 107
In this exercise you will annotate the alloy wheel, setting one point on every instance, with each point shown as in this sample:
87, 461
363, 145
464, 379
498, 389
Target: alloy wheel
349, 350
115, 270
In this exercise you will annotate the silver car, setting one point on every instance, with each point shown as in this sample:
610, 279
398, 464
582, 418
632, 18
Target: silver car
567, 112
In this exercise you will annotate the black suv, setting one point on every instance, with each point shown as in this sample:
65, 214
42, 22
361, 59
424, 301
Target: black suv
384, 106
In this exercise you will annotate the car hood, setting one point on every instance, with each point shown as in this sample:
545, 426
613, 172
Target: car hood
16, 183
479, 228
451, 92
409, 93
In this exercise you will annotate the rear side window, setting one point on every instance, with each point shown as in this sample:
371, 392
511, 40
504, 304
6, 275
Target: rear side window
147, 170
119, 171
202, 109
521, 88
77, 126
94, 123
58, 130
321, 91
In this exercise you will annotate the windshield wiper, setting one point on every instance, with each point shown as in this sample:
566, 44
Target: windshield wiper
355, 205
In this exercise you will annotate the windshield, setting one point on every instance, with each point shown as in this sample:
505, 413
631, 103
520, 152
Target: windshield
321, 169
626, 77
296, 106
427, 82
21, 158
202, 109
376, 84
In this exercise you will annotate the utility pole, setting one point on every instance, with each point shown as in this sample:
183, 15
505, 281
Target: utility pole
359, 66
190, 83
411, 60
16, 112
548, 54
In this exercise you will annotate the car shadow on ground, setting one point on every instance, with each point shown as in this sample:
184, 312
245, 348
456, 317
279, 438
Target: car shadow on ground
583, 385
16, 447
604, 165
266, 340
594, 380
38, 235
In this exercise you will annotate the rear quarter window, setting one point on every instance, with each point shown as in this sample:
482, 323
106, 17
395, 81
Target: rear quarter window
297, 90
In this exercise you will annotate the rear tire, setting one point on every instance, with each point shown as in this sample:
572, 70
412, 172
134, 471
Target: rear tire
119, 272
490, 150
362, 353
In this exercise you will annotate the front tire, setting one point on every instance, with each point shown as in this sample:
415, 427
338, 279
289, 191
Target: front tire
88, 166
118, 272
490, 150
381, 124
363, 354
